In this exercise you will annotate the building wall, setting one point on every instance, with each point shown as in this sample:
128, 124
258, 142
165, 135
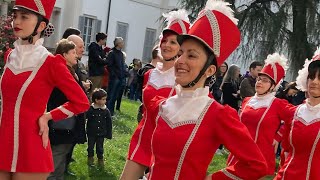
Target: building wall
98, 9
140, 15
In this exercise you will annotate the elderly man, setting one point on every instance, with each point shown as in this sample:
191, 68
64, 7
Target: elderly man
79, 68
115, 61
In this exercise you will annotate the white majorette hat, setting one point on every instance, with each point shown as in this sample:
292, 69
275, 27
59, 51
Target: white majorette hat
303, 73
275, 67
177, 22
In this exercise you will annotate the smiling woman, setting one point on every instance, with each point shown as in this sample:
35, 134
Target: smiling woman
192, 61
67, 49
187, 128
263, 113
159, 81
301, 142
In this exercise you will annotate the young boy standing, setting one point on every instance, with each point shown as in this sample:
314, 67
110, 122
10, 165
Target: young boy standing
99, 125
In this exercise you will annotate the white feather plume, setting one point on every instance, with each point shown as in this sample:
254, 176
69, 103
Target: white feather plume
174, 15
303, 73
303, 76
223, 7
277, 58
316, 53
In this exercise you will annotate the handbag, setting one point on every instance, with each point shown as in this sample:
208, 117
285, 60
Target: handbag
65, 124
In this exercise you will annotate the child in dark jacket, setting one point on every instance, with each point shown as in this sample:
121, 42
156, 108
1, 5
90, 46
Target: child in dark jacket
99, 125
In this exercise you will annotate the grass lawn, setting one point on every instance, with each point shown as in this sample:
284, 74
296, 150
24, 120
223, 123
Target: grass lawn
124, 123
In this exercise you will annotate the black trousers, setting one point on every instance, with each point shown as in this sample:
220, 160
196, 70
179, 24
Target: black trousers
69, 156
98, 141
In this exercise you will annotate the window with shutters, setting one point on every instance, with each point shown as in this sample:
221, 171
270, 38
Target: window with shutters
149, 42
122, 31
89, 27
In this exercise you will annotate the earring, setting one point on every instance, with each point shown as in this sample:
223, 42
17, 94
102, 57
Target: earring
212, 81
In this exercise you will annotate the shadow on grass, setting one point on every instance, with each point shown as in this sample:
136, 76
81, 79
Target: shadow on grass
97, 170
94, 173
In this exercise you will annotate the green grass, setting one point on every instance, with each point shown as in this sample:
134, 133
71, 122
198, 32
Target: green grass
124, 123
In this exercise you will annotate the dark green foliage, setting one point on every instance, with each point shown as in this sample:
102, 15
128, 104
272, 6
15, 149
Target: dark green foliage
290, 27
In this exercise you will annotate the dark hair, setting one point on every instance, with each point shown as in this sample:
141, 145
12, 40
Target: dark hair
70, 31
291, 85
101, 36
98, 94
135, 60
64, 46
254, 64
167, 33
313, 68
155, 52
211, 57
283, 94
219, 73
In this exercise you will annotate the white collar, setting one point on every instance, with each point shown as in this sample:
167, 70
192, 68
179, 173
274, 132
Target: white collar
160, 79
26, 57
191, 93
159, 68
185, 106
95, 106
308, 114
263, 101
312, 108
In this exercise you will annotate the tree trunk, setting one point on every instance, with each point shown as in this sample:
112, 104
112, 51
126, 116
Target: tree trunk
299, 46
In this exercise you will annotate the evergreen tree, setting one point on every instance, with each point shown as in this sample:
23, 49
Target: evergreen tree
290, 27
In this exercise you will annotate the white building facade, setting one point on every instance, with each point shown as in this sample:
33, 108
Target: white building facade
136, 21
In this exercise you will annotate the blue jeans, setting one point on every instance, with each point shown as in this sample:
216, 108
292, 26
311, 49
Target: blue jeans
113, 91
119, 98
133, 91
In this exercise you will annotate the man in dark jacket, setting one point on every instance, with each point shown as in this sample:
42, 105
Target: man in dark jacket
153, 63
97, 60
247, 86
116, 72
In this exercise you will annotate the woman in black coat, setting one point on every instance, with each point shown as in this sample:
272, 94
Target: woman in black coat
230, 87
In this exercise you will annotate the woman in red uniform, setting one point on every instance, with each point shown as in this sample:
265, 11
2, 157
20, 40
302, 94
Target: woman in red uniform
263, 113
29, 77
160, 80
301, 142
187, 128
